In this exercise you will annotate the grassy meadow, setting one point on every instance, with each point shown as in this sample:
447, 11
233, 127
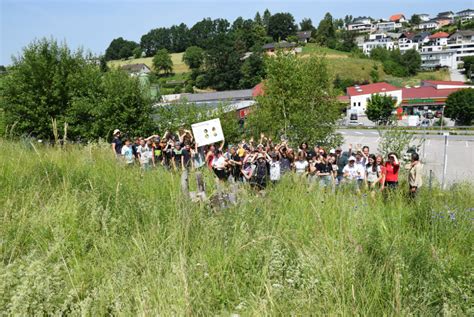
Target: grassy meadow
83, 235
179, 66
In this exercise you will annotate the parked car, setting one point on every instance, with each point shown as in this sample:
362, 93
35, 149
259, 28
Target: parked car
353, 117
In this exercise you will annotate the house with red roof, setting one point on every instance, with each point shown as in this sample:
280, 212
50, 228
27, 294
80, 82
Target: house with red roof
431, 95
360, 95
398, 18
439, 38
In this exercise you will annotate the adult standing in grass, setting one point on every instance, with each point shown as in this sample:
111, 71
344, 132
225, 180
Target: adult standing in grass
117, 143
392, 167
324, 172
373, 173
383, 171
415, 171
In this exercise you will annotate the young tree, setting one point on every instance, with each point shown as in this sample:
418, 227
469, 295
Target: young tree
415, 19
137, 52
380, 108
253, 70
266, 19
258, 19
306, 25
298, 101
411, 60
460, 106
325, 34
374, 73
193, 57
223, 61
281, 25
162, 61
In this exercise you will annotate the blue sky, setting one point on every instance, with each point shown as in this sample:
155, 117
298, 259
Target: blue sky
93, 24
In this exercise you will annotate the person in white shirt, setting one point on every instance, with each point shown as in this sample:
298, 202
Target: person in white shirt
127, 153
301, 164
354, 172
373, 173
275, 170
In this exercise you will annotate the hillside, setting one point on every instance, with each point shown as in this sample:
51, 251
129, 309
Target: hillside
347, 66
178, 66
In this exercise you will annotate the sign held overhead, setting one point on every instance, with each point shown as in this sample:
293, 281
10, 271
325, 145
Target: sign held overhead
208, 132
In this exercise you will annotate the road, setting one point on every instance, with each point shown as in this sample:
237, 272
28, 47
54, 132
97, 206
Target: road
459, 148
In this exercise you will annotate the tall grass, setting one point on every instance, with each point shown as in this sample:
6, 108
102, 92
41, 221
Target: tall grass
81, 234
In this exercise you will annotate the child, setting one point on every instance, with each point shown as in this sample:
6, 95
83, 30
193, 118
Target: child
127, 153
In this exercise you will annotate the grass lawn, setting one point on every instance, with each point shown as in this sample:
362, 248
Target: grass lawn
83, 235
415, 80
178, 65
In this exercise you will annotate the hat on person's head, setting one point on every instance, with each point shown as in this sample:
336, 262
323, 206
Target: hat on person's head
260, 156
260, 145
116, 131
333, 151
352, 158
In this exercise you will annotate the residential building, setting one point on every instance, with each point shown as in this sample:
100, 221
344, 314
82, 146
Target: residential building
446, 15
136, 69
424, 17
360, 95
430, 96
363, 20
303, 36
465, 15
461, 36
386, 43
360, 27
271, 48
406, 42
421, 38
439, 38
398, 18
443, 22
428, 25
386, 26
433, 57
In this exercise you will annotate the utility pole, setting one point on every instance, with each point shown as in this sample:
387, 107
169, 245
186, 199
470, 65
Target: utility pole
445, 164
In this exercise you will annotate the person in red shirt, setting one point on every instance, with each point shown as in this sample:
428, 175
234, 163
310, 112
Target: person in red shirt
383, 171
392, 166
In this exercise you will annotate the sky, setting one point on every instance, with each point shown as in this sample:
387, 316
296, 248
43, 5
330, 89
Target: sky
93, 24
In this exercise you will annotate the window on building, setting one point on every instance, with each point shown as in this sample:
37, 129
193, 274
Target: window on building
359, 104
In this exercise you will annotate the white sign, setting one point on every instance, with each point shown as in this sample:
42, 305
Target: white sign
413, 121
208, 132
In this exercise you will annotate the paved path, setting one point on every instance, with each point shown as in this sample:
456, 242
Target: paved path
456, 75
459, 148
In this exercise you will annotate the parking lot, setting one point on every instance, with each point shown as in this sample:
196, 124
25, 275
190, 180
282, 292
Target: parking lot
460, 152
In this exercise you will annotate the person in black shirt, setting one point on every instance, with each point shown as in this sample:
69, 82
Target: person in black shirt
235, 163
324, 171
186, 152
117, 143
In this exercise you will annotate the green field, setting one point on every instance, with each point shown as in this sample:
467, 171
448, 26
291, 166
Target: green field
178, 65
82, 235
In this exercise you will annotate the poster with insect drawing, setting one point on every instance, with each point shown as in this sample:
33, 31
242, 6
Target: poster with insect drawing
208, 132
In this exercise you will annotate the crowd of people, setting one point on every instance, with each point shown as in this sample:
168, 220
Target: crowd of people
263, 162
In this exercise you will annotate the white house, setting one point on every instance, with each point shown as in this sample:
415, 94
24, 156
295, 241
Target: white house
428, 25
406, 42
385, 26
424, 17
136, 69
465, 15
439, 38
360, 27
461, 36
446, 15
437, 56
386, 43
360, 95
